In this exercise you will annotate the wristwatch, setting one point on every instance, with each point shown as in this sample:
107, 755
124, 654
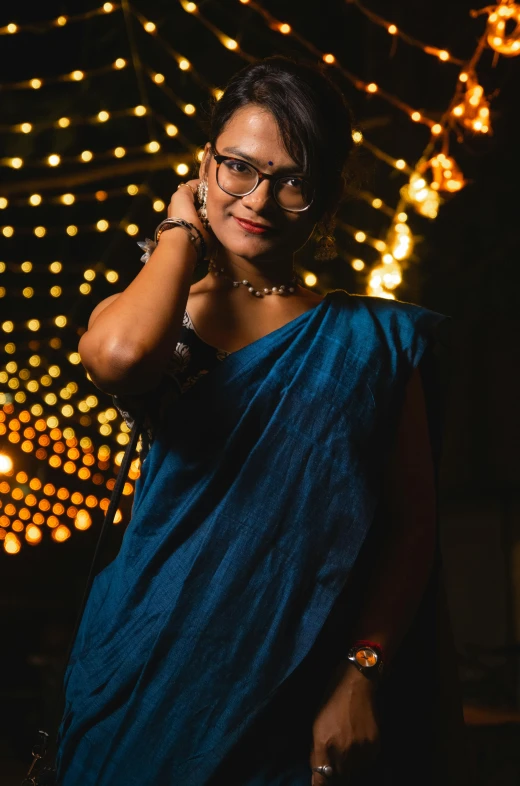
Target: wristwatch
368, 658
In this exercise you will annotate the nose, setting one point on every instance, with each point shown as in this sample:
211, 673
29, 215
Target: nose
258, 198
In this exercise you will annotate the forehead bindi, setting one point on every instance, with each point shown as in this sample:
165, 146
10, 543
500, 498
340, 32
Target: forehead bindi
252, 133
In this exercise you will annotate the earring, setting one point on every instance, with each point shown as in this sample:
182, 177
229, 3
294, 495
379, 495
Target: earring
202, 196
326, 242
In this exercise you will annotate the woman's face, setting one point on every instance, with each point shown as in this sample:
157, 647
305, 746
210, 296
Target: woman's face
252, 135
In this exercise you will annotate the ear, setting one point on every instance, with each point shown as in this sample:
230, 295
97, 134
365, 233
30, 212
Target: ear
204, 164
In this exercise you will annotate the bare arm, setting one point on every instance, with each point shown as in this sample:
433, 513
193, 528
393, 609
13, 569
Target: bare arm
405, 559
130, 335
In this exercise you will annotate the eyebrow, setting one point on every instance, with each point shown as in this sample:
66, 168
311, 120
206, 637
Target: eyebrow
237, 152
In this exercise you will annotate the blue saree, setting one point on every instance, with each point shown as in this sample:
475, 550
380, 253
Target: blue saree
206, 643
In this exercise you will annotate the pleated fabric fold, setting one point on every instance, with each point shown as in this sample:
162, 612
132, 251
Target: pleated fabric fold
206, 642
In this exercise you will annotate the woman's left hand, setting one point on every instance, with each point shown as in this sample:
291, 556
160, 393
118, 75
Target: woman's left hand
345, 730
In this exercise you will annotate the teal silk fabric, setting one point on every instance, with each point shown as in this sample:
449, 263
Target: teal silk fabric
206, 642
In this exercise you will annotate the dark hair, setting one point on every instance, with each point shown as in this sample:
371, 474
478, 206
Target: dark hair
312, 115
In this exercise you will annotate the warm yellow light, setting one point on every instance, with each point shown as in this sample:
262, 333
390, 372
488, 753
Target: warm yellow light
40, 231
12, 544
36, 83
53, 159
67, 199
103, 116
458, 111
77, 76
149, 27
35, 199
26, 128
55, 291
7, 231
102, 225
3, 203
284, 28
189, 109
184, 64
230, 43
64, 122
158, 205
358, 264
7, 326
75, 358
111, 276
182, 169
26, 267
6, 463
218, 93
60, 321
171, 130
108, 7
120, 152
153, 147
402, 217
55, 267
436, 129
392, 29
12, 28
360, 237
33, 324
85, 289
82, 520
416, 116
329, 58
61, 533
16, 162
120, 63
377, 203
400, 164
190, 7
87, 155
89, 275
132, 229
310, 279
463, 76
61, 21
444, 55
139, 110
33, 533
372, 87
72, 230
132, 189
388, 259
158, 78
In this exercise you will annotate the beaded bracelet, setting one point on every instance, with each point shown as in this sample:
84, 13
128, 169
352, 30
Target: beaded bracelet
195, 235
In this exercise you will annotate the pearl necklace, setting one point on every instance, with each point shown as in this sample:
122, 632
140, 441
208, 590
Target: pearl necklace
283, 289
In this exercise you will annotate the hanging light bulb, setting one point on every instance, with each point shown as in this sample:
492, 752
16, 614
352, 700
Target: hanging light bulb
446, 174
421, 196
400, 241
472, 112
503, 42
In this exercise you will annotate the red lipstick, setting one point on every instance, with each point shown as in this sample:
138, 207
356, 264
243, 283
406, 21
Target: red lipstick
254, 229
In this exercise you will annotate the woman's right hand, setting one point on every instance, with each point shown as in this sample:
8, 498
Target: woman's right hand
183, 204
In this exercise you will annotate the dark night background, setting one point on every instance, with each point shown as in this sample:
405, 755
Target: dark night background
465, 265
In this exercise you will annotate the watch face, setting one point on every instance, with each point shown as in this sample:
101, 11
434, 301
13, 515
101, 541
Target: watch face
366, 657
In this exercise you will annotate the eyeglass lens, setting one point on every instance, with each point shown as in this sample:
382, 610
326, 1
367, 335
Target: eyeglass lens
238, 178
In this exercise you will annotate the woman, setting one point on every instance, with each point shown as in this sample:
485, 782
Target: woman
285, 515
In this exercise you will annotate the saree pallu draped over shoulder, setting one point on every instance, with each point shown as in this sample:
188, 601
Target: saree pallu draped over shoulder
206, 642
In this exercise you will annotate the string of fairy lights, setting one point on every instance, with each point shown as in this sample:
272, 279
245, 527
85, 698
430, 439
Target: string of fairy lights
436, 175
60, 476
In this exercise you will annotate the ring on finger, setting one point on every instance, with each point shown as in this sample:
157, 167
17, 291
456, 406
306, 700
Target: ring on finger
324, 769
187, 186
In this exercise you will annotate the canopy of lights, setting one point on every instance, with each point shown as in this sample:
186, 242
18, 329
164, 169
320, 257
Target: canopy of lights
62, 443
